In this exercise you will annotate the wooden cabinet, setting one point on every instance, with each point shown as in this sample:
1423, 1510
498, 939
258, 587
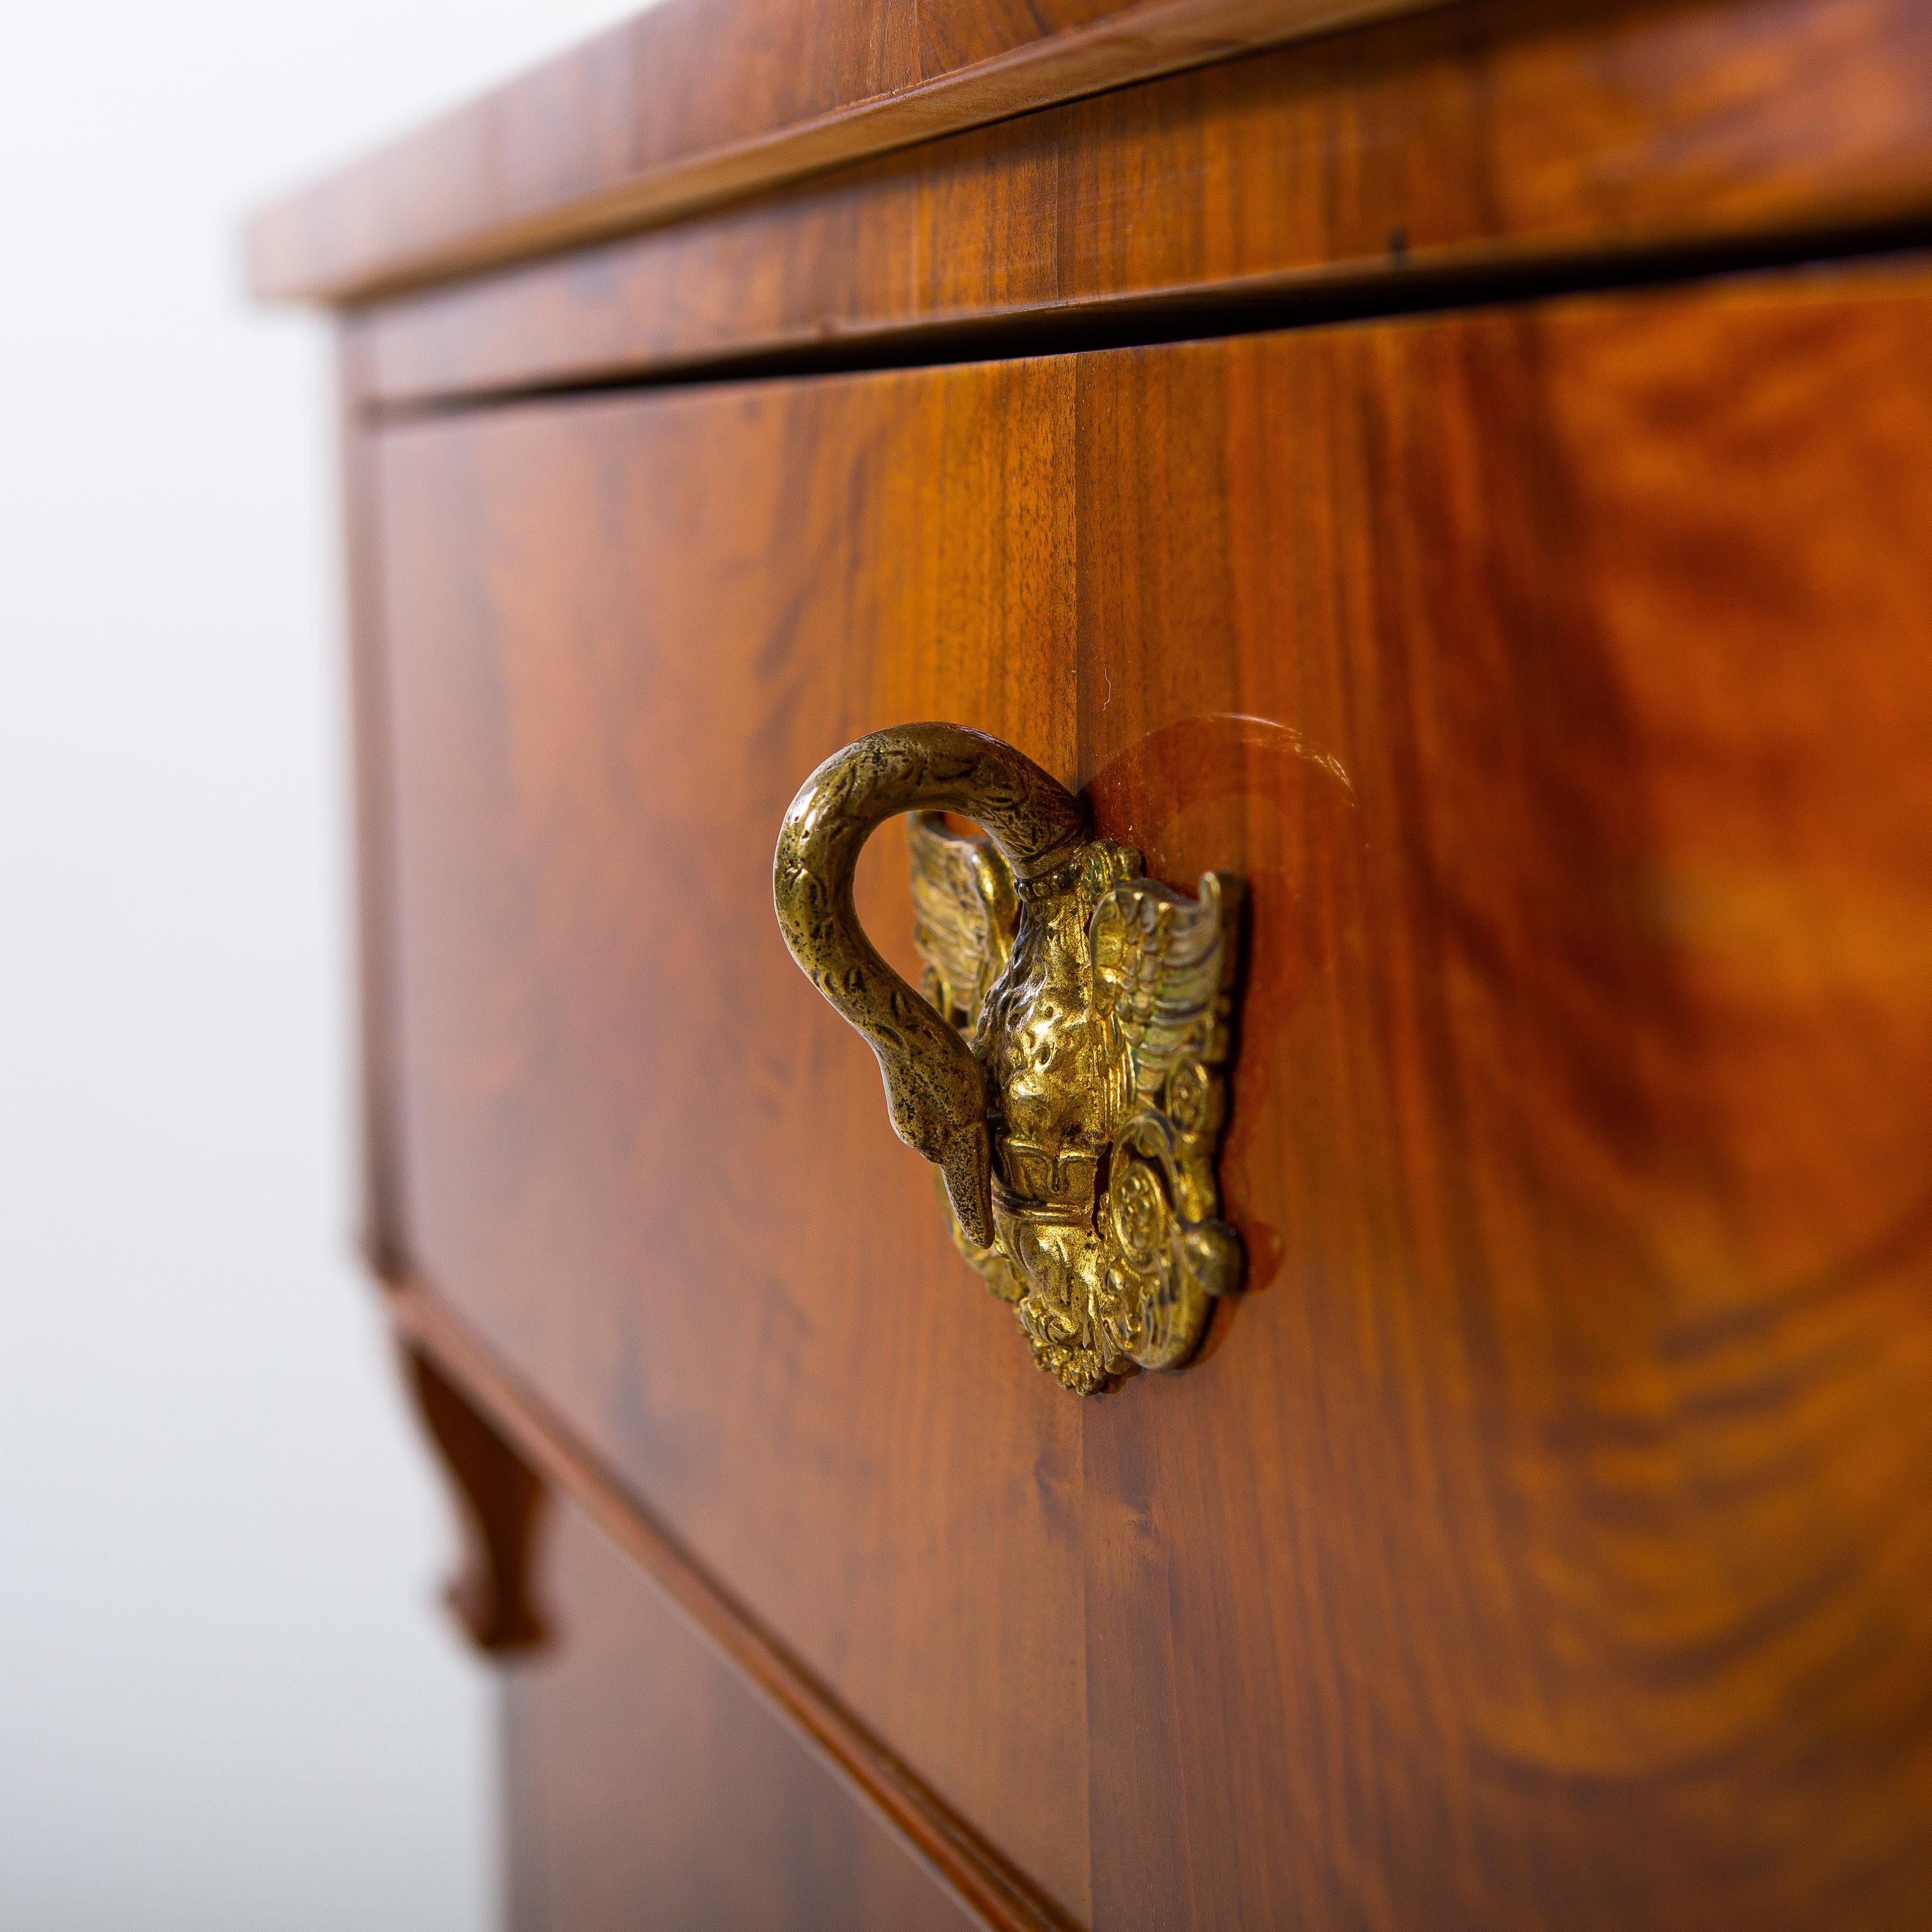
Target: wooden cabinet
1531, 609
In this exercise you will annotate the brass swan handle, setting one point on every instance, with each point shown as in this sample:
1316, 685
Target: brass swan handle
1063, 1062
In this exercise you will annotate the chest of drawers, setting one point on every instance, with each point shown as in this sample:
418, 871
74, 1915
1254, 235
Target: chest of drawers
1458, 472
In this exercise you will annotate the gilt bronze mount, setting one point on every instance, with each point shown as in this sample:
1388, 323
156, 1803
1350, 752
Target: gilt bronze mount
1063, 1063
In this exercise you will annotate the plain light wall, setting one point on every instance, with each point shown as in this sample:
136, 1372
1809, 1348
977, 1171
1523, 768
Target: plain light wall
228, 1697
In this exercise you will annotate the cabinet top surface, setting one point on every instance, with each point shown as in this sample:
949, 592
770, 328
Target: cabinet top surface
701, 101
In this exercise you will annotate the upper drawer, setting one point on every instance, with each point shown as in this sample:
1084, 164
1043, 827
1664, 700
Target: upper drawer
638, 1151
1544, 1537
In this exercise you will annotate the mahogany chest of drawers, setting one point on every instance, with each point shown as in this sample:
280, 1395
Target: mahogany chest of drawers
1458, 473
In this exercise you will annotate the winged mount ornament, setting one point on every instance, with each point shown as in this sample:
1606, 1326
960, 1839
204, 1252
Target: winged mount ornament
1063, 1061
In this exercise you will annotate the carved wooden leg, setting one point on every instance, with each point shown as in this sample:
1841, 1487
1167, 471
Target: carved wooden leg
500, 1499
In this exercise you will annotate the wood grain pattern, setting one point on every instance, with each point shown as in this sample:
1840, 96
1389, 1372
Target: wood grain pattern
1547, 1540
702, 100
650, 1789
980, 1881
1471, 142
619, 636
1544, 1538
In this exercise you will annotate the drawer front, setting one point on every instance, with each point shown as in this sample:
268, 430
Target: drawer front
636, 1145
647, 1787
1543, 1534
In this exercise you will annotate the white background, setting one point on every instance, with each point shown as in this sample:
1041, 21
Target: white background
228, 1697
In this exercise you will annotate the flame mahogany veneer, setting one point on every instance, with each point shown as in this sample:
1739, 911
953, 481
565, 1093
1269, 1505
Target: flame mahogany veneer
1465, 474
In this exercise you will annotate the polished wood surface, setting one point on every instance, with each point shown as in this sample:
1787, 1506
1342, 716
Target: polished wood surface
1543, 1538
1518, 137
702, 100
1546, 1541
981, 1880
647, 1788
620, 635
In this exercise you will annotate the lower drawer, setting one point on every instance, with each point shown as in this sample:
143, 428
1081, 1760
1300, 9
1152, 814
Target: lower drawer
646, 1786
1543, 1536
